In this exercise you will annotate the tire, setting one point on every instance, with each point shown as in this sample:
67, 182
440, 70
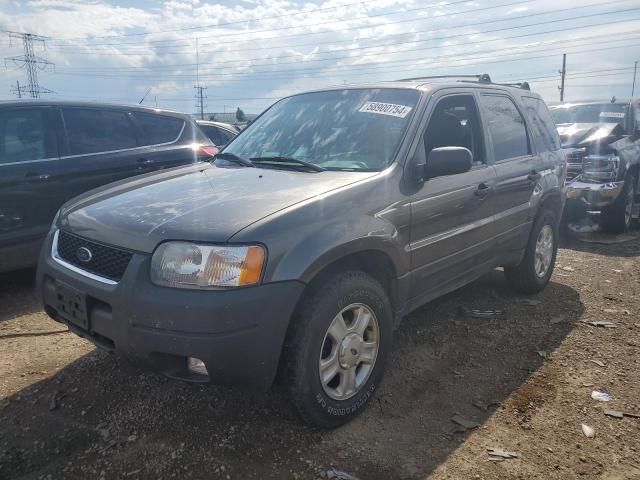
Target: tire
309, 342
617, 217
527, 277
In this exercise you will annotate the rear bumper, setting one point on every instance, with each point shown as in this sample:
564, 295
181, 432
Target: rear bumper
593, 195
238, 334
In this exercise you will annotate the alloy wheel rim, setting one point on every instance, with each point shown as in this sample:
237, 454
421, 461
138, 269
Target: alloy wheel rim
349, 351
544, 251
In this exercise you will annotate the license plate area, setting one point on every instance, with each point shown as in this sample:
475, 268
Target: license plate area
72, 305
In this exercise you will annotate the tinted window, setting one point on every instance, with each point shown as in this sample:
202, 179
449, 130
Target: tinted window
506, 127
158, 128
591, 113
542, 123
215, 134
226, 135
454, 123
350, 129
22, 135
92, 131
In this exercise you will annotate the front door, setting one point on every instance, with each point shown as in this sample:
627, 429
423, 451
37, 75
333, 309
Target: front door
451, 216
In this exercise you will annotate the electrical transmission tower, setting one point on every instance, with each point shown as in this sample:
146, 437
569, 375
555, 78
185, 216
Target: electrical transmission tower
200, 97
30, 62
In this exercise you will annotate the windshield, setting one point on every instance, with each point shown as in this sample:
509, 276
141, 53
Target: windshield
592, 113
351, 129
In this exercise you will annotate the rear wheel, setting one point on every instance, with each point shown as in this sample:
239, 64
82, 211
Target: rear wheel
617, 217
337, 348
535, 269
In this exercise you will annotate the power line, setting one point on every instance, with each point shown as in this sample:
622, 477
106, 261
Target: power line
29, 61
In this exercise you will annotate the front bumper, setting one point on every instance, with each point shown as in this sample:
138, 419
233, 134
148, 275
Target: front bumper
238, 334
594, 195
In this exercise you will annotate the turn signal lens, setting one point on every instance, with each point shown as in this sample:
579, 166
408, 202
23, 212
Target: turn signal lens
189, 265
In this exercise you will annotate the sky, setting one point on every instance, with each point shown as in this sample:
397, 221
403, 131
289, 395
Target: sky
249, 53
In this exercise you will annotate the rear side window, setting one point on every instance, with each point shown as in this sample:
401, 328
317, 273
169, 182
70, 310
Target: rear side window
158, 128
542, 123
506, 127
93, 131
22, 135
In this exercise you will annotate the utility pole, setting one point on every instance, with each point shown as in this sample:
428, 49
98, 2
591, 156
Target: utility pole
199, 88
563, 72
633, 85
18, 89
29, 61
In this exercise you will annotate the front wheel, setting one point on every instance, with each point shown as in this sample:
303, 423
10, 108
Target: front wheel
535, 269
337, 347
617, 218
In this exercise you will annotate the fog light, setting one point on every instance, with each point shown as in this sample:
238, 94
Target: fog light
197, 366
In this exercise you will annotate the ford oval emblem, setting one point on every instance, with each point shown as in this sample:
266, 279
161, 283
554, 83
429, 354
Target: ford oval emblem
84, 254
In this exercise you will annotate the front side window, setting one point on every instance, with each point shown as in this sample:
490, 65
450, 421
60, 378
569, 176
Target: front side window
158, 128
455, 123
94, 131
542, 122
506, 127
350, 129
22, 135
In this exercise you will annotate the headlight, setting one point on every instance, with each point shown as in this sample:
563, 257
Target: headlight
188, 265
600, 168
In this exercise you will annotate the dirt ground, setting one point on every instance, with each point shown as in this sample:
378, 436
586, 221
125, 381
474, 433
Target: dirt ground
68, 410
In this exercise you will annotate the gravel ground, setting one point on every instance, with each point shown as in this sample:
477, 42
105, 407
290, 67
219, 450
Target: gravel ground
523, 381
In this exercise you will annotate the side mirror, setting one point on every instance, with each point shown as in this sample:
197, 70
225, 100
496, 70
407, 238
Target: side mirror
448, 161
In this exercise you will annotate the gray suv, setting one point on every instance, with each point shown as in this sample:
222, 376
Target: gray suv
320, 226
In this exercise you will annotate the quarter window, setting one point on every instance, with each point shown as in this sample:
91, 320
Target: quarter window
506, 127
542, 122
93, 131
22, 135
158, 128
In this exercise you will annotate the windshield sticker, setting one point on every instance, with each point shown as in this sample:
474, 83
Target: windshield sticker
612, 114
391, 109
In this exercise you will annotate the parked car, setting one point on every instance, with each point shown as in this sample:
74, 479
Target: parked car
53, 151
603, 170
321, 225
219, 133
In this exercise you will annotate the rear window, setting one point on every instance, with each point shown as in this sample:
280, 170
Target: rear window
506, 127
94, 131
542, 123
22, 135
217, 135
350, 129
158, 128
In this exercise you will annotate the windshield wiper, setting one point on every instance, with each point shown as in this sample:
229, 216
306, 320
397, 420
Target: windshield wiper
291, 160
232, 157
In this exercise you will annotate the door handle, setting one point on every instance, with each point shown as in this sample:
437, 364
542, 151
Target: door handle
534, 176
36, 176
483, 190
144, 161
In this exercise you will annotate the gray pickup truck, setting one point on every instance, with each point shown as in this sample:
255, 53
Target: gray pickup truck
318, 228
604, 167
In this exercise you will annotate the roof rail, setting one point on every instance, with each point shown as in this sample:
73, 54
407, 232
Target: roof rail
481, 78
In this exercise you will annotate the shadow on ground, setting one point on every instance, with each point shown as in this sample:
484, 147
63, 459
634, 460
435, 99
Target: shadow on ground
17, 296
111, 419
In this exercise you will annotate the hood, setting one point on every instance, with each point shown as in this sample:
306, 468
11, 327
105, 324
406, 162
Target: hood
205, 202
583, 134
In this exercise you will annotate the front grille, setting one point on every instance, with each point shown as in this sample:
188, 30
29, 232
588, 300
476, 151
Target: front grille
575, 162
108, 262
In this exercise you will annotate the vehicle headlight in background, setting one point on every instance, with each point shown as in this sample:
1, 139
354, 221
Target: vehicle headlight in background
600, 168
189, 265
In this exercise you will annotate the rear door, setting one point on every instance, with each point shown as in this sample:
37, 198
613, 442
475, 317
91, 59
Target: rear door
518, 167
101, 147
28, 160
452, 232
164, 140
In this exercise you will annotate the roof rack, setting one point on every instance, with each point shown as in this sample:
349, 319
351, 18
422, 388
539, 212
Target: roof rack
481, 78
